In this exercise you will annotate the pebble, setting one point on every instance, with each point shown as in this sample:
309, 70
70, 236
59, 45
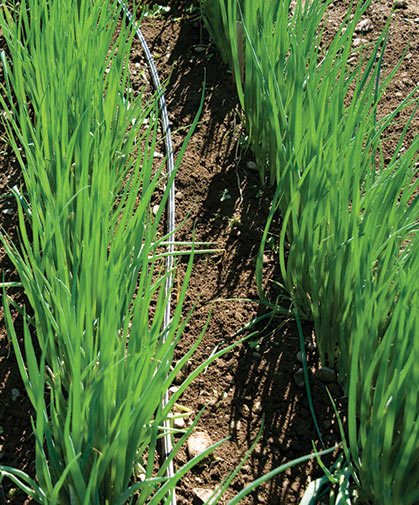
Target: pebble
178, 380
299, 378
256, 356
179, 423
400, 4
364, 26
158, 155
197, 443
245, 410
8, 212
155, 209
359, 42
257, 407
299, 356
251, 165
15, 394
203, 494
326, 375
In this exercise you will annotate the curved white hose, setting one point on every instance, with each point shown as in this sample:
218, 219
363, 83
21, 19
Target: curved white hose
167, 442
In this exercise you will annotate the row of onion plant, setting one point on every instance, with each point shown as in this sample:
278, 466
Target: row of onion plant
96, 359
348, 244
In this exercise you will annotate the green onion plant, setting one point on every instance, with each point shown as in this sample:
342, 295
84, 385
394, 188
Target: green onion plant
95, 360
349, 218
383, 412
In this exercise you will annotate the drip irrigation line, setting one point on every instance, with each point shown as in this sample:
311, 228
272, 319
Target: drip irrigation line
166, 441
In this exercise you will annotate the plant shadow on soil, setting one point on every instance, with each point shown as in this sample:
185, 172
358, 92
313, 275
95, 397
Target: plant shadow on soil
229, 209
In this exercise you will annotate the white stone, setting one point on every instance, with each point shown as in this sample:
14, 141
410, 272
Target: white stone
198, 442
364, 26
203, 494
257, 407
179, 423
359, 42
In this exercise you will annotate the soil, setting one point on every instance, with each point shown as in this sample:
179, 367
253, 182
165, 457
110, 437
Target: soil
252, 389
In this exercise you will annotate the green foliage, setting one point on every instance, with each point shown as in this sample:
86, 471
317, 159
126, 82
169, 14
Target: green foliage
349, 220
87, 256
383, 399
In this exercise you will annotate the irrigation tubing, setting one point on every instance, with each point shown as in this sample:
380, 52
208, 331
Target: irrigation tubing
166, 442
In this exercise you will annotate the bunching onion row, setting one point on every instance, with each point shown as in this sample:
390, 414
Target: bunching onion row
96, 358
95, 361
348, 248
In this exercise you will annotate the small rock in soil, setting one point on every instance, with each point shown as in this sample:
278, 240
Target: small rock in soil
251, 165
15, 394
245, 410
197, 443
359, 42
203, 495
299, 378
180, 377
326, 375
8, 212
364, 26
179, 423
299, 356
256, 356
400, 4
257, 408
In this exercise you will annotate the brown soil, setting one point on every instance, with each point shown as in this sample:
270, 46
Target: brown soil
254, 382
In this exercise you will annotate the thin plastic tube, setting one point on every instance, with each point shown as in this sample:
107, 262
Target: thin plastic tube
167, 442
